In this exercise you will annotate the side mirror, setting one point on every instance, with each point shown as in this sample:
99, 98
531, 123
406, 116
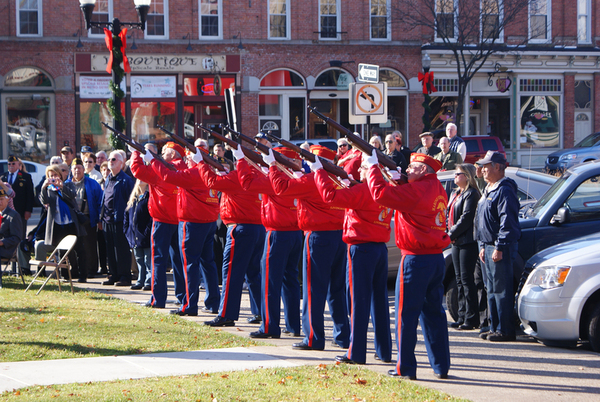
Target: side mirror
562, 216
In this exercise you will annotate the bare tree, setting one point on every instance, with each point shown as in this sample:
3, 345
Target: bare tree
473, 30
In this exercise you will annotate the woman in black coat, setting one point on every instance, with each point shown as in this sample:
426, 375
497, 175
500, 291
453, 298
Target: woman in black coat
461, 213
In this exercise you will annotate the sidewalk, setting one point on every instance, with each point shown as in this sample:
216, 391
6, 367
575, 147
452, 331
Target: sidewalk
481, 370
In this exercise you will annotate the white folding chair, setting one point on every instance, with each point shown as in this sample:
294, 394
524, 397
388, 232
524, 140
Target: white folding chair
58, 259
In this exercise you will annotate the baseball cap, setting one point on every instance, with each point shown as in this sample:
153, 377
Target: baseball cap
492, 156
13, 158
86, 149
66, 149
425, 134
77, 161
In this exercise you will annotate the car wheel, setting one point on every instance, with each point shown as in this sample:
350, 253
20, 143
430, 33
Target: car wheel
594, 328
452, 300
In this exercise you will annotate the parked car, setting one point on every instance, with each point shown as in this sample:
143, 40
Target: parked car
586, 150
560, 302
36, 170
477, 145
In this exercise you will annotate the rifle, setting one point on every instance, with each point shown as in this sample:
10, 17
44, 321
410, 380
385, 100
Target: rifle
282, 160
329, 167
139, 147
209, 160
248, 153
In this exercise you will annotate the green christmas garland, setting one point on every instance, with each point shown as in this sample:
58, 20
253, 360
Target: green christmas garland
426, 113
117, 92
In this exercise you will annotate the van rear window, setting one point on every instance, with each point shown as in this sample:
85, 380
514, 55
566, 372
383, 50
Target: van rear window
489, 145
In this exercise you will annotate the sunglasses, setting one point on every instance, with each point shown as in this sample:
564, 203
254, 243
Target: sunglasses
458, 174
113, 159
12, 163
343, 145
389, 141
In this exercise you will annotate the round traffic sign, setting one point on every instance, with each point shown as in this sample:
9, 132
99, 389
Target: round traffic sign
369, 99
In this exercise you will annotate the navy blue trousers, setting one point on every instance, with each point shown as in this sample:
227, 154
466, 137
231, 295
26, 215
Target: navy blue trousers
279, 277
367, 294
118, 252
419, 292
196, 240
499, 286
324, 279
165, 254
241, 259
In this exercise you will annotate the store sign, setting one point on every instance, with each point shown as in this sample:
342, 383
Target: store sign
156, 63
503, 84
96, 87
153, 87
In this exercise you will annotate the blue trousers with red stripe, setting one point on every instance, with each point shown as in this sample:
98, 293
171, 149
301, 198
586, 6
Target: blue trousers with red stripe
241, 259
165, 254
196, 241
367, 294
419, 293
279, 277
324, 278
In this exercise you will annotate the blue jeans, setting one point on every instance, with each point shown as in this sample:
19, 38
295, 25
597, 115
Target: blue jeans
499, 283
143, 258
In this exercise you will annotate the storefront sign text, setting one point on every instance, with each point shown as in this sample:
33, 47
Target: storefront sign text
96, 87
153, 87
148, 62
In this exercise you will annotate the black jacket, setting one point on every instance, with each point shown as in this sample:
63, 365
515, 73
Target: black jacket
23, 188
11, 232
137, 223
465, 206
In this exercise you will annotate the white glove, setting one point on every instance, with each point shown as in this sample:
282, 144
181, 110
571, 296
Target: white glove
238, 154
346, 182
269, 158
395, 174
316, 165
148, 157
370, 160
130, 148
297, 174
197, 157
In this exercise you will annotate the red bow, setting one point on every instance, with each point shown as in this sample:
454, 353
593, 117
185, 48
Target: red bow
427, 79
108, 38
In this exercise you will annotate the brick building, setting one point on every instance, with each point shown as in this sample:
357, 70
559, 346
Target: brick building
276, 57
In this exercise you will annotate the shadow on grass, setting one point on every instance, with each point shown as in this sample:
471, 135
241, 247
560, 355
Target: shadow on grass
83, 349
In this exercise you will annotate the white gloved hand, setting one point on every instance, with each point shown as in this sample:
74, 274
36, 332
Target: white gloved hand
316, 165
238, 154
130, 148
269, 158
370, 160
297, 174
395, 175
148, 157
197, 157
346, 182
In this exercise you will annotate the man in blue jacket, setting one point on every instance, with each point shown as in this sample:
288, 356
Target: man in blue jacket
88, 198
117, 189
498, 231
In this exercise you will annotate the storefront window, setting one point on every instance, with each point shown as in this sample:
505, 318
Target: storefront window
146, 116
29, 127
207, 85
93, 133
282, 78
27, 77
540, 121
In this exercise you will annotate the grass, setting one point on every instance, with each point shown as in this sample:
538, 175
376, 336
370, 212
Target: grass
60, 325
307, 383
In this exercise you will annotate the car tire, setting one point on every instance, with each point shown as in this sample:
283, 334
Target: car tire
452, 300
594, 328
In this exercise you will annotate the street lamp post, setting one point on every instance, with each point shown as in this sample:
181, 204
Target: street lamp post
116, 43
426, 62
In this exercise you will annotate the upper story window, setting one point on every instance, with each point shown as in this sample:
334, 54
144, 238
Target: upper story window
27, 77
279, 19
446, 13
211, 19
490, 19
329, 21
380, 20
540, 23
393, 79
584, 21
103, 12
282, 78
29, 18
157, 22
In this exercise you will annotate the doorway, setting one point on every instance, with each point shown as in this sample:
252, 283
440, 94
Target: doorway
499, 120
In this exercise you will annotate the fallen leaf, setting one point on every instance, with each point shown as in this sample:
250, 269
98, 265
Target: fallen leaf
360, 381
41, 320
225, 376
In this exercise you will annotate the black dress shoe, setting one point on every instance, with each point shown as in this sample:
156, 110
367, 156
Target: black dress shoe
344, 359
147, 287
182, 313
208, 311
82, 280
484, 335
108, 282
257, 319
220, 322
378, 358
123, 283
150, 305
466, 327
137, 286
500, 337
259, 334
304, 346
455, 324
441, 376
290, 333
394, 373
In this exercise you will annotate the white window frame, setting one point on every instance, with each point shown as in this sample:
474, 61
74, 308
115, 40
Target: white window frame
388, 6
166, 15
287, 21
548, 14
588, 16
219, 18
110, 18
338, 23
40, 21
500, 38
456, 11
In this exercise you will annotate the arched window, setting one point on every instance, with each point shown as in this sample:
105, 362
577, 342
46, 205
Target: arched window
282, 78
331, 78
393, 79
27, 77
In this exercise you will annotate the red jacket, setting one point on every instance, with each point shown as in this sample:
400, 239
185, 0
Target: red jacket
313, 212
196, 203
420, 211
365, 220
163, 195
237, 205
352, 164
277, 212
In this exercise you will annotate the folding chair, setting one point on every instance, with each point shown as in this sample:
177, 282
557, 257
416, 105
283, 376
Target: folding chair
11, 261
58, 259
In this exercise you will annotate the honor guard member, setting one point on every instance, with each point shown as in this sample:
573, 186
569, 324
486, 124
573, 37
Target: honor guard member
323, 257
164, 239
240, 211
197, 211
420, 221
366, 231
281, 253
